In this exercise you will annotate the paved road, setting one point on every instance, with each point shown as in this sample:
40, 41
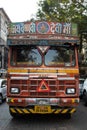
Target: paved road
44, 122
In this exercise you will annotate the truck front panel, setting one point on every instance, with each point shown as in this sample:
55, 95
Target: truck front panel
50, 86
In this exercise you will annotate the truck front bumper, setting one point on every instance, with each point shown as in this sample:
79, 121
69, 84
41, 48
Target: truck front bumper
42, 105
42, 110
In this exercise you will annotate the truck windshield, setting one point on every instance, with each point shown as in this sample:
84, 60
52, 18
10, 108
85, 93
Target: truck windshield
60, 56
35, 56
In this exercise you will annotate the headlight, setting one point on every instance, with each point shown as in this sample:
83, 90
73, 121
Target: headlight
14, 90
70, 90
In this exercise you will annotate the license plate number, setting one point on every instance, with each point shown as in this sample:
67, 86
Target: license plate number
42, 109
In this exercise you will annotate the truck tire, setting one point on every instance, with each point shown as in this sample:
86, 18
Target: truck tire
85, 97
1, 99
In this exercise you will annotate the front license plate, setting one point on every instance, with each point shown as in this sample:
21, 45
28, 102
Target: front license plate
42, 109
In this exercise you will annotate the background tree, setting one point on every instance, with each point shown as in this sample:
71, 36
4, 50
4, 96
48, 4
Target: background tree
67, 11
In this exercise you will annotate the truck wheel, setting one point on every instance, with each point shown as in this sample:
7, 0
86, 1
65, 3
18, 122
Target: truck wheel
84, 93
1, 99
85, 98
86, 104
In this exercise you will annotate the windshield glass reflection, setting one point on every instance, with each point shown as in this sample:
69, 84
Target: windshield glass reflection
60, 56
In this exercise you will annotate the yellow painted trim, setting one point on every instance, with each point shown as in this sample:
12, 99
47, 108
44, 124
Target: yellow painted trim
52, 110
73, 100
76, 71
68, 71
57, 111
12, 100
25, 111
17, 70
19, 110
42, 71
64, 111
73, 110
13, 110
31, 110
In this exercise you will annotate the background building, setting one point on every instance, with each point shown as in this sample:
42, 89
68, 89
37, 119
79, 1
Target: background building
4, 20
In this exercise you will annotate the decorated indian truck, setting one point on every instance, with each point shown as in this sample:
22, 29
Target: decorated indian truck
43, 68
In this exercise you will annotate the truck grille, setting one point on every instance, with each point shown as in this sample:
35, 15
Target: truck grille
31, 86
35, 84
